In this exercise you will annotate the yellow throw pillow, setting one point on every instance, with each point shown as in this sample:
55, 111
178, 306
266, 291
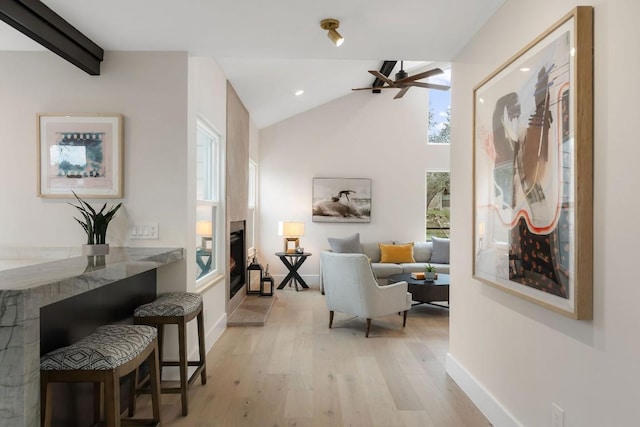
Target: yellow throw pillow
396, 253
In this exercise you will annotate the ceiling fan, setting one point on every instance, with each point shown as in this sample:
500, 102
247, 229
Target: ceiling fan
404, 81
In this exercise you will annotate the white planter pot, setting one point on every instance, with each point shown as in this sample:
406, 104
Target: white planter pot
92, 250
430, 275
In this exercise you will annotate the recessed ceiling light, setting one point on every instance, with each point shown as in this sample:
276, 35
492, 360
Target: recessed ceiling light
525, 69
300, 92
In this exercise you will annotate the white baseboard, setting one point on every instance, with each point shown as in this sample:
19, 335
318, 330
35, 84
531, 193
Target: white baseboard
479, 395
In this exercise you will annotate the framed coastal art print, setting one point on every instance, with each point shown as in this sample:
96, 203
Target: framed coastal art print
533, 170
80, 153
341, 200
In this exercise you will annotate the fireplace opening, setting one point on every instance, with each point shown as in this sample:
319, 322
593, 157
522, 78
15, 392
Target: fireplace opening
237, 268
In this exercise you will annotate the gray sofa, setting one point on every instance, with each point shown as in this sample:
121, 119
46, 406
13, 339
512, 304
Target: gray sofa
423, 253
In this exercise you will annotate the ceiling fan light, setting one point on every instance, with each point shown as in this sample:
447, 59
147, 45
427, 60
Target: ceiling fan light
335, 37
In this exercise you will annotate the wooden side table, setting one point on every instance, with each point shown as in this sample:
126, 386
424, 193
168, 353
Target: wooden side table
293, 261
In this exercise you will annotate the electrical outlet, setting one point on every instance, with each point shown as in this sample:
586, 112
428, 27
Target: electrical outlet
557, 416
147, 230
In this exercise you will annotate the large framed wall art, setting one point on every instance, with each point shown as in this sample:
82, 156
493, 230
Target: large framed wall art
80, 153
341, 200
533, 170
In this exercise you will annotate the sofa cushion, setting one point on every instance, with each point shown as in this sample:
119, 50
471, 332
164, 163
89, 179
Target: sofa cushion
422, 251
419, 267
346, 245
396, 253
372, 250
440, 253
384, 270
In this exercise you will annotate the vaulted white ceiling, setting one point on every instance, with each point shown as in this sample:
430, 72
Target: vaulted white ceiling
269, 49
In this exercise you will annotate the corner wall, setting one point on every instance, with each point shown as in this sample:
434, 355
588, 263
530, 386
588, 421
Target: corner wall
514, 357
361, 135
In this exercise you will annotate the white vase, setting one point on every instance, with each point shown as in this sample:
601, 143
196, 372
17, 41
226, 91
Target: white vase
430, 275
92, 250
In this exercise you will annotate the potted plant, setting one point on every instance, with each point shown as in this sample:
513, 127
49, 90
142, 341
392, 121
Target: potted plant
95, 225
430, 272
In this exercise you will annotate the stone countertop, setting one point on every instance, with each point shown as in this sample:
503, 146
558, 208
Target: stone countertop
24, 290
119, 262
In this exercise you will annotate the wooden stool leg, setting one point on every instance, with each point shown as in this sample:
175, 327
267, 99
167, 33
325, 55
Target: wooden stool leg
133, 384
203, 350
45, 399
160, 346
111, 399
184, 372
97, 402
154, 378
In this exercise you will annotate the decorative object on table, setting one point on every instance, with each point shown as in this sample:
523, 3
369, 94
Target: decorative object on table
341, 200
418, 275
254, 278
299, 250
266, 284
95, 225
80, 152
291, 231
533, 170
430, 272
204, 229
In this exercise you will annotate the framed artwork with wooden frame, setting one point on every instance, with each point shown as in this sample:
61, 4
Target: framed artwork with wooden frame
533, 170
80, 153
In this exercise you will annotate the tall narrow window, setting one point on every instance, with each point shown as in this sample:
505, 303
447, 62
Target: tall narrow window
438, 204
209, 230
251, 213
439, 117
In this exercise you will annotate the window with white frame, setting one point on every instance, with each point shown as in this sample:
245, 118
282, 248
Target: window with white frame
439, 121
209, 217
251, 212
438, 204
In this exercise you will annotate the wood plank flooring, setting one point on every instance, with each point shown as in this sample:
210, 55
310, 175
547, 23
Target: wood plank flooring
295, 371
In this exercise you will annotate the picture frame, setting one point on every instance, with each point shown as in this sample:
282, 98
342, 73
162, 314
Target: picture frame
533, 170
82, 153
341, 200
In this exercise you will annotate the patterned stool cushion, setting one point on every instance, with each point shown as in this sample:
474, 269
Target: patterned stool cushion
172, 304
105, 348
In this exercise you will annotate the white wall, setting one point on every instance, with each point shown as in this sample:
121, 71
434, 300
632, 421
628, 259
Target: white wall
208, 101
159, 95
361, 135
516, 357
149, 90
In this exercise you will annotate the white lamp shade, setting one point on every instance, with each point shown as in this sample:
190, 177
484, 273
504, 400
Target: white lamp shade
204, 228
290, 229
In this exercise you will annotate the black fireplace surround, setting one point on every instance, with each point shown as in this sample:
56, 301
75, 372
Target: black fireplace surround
238, 254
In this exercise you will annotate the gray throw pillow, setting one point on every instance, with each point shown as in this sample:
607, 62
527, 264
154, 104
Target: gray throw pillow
347, 245
440, 253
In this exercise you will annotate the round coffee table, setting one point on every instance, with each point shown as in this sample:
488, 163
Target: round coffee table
425, 291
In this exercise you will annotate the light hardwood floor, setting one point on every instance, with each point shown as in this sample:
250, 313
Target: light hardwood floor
295, 371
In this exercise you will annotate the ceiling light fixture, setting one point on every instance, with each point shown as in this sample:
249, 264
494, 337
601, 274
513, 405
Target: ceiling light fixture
300, 92
331, 25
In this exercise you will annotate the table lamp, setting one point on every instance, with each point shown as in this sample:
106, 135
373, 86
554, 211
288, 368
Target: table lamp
291, 231
205, 230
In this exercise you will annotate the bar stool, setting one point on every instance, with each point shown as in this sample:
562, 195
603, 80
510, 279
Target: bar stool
177, 308
103, 357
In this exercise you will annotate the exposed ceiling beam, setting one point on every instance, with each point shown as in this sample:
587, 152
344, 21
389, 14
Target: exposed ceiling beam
37, 21
386, 68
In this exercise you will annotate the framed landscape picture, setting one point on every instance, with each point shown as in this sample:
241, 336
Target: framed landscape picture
341, 200
533, 170
80, 153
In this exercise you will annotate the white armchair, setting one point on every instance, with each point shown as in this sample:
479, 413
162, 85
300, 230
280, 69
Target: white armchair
350, 287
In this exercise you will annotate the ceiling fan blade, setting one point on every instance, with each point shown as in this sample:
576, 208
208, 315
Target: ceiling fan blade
382, 77
429, 85
375, 88
420, 76
401, 93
